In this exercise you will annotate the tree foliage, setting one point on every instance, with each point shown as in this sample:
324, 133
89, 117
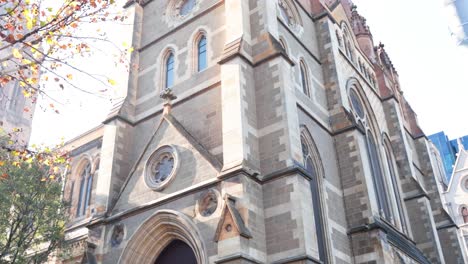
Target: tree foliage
32, 212
40, 37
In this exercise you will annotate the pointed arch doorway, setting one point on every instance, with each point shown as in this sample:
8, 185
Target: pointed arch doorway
177, 252
165, 237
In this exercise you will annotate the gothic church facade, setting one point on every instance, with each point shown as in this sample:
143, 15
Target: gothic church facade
261, 131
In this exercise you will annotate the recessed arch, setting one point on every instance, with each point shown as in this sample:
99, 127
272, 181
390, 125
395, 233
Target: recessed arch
289, 13
348, 40
82, 162
284, 44
394, 181
200, 51
354, 84
157, 232
464, 213
164, 57
96, 164
304, 78
313, 165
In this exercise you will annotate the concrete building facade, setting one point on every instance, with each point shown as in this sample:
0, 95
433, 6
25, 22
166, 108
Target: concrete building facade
267, 131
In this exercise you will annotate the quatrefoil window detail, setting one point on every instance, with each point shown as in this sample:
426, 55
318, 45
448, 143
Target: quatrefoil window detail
161, 167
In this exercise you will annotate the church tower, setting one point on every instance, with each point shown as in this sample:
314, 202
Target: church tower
267, 131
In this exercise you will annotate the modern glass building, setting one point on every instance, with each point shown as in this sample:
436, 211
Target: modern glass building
448, 150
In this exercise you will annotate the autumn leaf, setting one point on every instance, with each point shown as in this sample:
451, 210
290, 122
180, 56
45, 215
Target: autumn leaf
17, 54
111, 81
69, 76
26, 94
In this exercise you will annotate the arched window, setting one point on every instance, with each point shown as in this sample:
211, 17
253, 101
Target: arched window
374, 157
308, 153
84, 195
304, 79
393, 177
464, 213
202, 56
347, 43
170, 70
378, 179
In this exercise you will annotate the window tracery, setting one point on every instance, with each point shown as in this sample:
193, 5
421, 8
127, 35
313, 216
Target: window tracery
161, 167
289, 15
375, 162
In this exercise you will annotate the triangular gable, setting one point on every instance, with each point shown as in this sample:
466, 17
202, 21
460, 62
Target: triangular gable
461, 163
231, 223
168, 131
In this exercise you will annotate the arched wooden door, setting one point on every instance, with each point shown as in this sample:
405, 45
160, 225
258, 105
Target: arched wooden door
177, 252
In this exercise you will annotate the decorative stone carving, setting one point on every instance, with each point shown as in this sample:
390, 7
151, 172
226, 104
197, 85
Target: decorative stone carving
117, 236
289, 16
161, 167
231, 223
208, 203
179, 10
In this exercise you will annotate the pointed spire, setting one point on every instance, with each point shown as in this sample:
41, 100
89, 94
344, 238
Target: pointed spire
358, 22
167, 96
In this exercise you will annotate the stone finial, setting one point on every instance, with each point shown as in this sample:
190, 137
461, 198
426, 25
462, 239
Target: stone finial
167, 96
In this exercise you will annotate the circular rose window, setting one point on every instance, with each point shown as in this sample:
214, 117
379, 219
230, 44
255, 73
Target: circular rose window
161, 167
186, 6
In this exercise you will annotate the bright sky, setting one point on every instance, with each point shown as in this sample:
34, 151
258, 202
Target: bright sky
80, 112
433, 72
